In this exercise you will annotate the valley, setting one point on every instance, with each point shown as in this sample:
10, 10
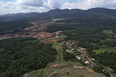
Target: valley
72, 43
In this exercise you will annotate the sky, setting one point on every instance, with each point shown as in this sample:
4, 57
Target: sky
26, 6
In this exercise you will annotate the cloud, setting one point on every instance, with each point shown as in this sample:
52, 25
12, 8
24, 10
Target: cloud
1, 2
5, 6
37, 3
16, 6
65, 5
25, 7
86, 4
55, 3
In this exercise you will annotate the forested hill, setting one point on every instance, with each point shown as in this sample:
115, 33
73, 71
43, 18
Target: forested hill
11, 17
66, 13
100, 16
73, 13
57, 13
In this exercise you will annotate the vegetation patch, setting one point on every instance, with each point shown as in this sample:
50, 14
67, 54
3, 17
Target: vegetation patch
111, 49
108, 32
41, 74
100, 51
48, 72
18, 57
32, 41
69, 74
33, 73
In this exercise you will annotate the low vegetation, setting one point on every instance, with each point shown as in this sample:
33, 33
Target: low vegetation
99, 51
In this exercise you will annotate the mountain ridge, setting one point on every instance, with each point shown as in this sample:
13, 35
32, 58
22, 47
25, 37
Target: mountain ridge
58, 13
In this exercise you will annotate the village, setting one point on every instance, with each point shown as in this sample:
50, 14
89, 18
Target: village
80, 53
82, 56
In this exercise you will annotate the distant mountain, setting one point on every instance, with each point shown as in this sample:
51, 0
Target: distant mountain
59, 13
74, 13
101, 17
11, 17
106, 11
81, 13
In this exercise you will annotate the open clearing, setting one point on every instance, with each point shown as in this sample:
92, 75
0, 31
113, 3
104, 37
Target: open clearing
109, 49
100, 51
108, 32
76, 74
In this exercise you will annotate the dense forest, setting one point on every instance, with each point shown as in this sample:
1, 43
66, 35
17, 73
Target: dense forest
12, 17
13, 26
91, 33
21, 55
94, 29
91, 21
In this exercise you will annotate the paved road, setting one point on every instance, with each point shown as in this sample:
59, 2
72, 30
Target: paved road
26, 75
82, 52
59, 55
52, 75
92, 64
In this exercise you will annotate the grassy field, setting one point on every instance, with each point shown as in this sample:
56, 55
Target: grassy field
75, 75
100, 51
40, 74
57, 46
48, 72
58, 19
111, 49
108, 32
34, 73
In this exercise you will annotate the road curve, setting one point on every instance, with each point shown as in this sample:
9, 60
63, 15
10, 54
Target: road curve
52, 75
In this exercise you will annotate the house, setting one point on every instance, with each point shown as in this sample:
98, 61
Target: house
58, 32
56, 37
73, 42
68, 50
92, 58
82, 49
87, 62
72, 49
78, 57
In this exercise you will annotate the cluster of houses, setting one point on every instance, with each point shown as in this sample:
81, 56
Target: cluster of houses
70, 49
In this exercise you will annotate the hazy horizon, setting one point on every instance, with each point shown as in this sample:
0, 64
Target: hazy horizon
27, 6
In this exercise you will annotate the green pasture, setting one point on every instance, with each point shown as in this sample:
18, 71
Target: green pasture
108, 32
111, 49
100, 51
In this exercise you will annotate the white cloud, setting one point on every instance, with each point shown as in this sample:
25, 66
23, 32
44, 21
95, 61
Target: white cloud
55, 3
66, 5
17, 6
5, 6
86, 4
30, 2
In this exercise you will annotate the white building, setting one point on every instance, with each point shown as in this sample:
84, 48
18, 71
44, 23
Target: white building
78, 57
